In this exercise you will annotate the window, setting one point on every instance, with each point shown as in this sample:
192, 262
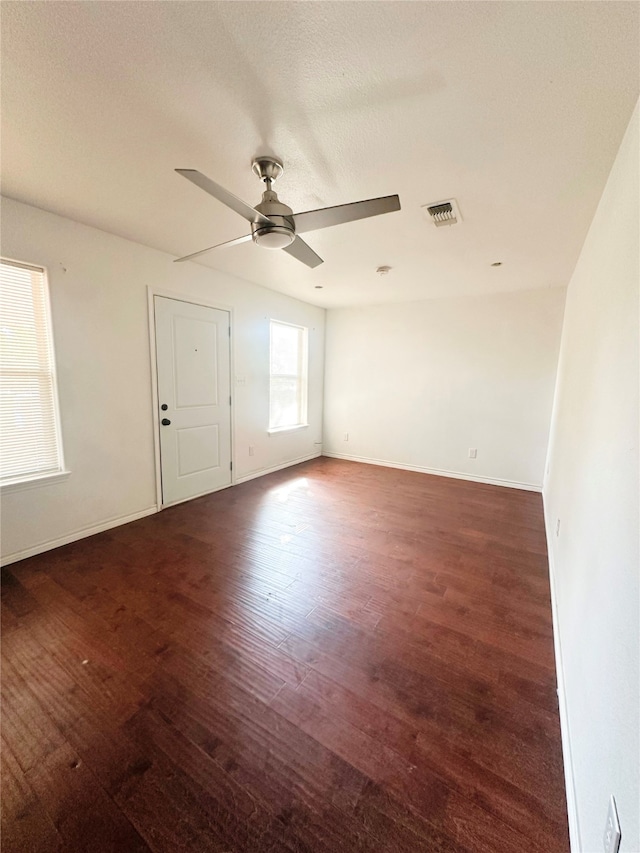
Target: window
288, 377
30, 443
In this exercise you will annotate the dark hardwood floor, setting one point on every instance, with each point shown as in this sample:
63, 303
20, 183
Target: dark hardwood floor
336, 657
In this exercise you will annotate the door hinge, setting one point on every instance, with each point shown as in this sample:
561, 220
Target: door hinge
231, 466
229, 399
229, 331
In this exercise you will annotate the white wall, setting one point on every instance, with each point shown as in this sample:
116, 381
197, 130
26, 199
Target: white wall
418, 384
98, 286
592, 487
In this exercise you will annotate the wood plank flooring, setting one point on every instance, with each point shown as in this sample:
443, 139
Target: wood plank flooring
335, 657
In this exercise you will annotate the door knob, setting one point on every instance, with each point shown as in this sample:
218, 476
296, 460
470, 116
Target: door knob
165, 422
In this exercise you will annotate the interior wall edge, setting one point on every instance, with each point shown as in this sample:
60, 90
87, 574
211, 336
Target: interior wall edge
74, 536
454, 475
565, 732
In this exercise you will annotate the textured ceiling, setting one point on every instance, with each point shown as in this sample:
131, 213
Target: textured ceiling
514, 109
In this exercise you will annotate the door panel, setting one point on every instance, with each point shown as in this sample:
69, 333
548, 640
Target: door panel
192, 348
195, 353
198, 449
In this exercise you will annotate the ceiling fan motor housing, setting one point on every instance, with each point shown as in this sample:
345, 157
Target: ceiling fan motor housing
283, 232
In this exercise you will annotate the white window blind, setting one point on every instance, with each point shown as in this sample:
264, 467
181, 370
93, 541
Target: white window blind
288, 376
30, 444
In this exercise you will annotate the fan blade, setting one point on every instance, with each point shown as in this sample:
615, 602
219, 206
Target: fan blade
232, 201
218, 246
313, 220
301, 252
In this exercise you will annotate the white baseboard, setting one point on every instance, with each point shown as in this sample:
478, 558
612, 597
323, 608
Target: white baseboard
569, 776
264, 471
455, 475
41, 547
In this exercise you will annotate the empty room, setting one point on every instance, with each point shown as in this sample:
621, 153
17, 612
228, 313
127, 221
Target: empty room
319, 432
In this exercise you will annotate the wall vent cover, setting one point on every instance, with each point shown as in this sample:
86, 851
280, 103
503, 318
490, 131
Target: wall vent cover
443, 212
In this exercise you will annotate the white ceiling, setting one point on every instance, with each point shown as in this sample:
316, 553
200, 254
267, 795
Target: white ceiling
516, 109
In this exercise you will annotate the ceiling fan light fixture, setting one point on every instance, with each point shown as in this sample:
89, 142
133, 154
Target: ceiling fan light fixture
274, 237
274, 224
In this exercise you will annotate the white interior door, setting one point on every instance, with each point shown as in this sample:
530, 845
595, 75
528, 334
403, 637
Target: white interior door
192, 354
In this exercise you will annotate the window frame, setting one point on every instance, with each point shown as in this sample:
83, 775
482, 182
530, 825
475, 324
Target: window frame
301, 377
28, 480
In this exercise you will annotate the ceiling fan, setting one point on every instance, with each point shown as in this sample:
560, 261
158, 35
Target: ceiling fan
273, 224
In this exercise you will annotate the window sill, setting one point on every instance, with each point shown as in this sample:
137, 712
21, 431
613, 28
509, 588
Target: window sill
34, 482
279, 430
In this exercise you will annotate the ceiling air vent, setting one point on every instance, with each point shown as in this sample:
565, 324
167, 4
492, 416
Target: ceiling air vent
443, 212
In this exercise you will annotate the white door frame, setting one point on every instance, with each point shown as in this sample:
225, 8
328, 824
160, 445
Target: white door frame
194, 300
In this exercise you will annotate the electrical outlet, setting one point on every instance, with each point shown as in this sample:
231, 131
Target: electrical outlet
251, 450
473, 453
346, 436
612, 834
558, 527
